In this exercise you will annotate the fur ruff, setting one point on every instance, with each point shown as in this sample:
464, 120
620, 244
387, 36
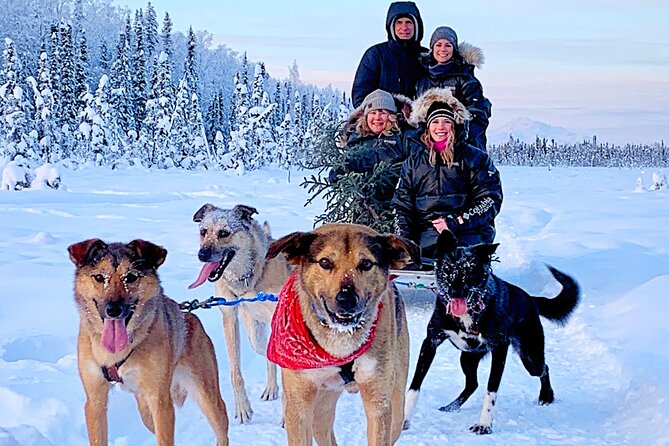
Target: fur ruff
421, 106
471, 54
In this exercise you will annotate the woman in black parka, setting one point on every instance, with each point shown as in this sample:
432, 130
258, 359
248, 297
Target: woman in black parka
449, 65
374, 133
445, 183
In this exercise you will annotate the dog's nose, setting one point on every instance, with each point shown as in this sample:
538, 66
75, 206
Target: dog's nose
204, 254
347, 299
116, 309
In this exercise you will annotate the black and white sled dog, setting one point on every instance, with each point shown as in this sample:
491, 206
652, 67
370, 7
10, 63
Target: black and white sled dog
480, 313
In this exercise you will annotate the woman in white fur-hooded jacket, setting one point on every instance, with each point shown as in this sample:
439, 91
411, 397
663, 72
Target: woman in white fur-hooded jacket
445, 183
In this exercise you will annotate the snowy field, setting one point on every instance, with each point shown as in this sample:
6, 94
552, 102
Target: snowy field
608, 365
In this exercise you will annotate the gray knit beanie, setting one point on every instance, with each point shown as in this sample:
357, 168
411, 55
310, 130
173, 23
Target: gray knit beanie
379, 100
444, 32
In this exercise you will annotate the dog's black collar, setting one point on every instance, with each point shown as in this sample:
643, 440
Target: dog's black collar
111, 373
346, 373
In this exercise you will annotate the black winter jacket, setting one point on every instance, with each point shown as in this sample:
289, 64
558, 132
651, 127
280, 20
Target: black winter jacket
467, 195
365, 153
458, 75
392, 66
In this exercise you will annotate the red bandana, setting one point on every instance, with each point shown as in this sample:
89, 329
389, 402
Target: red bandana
291, 344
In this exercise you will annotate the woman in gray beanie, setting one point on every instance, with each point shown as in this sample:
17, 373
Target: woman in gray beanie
374, 133
450, 65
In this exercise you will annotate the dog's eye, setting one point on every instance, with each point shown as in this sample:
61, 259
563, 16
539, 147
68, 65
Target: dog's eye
365, 265
223, 233
99, 278
203, 232
326, 264
131, 278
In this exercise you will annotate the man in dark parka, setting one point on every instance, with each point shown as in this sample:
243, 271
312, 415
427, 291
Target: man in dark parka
393, 65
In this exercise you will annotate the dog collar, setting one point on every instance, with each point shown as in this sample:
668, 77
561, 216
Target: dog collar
111, 373
292, 346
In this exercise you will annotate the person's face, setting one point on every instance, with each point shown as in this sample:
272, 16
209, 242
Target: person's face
440, 129
404, 28
442, 51
377, 120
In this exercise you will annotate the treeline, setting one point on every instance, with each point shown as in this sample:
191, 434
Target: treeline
585, 154
83, 81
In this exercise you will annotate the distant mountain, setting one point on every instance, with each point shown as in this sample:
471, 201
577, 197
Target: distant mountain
527, 130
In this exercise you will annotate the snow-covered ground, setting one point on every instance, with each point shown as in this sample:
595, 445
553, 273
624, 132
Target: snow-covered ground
608, 365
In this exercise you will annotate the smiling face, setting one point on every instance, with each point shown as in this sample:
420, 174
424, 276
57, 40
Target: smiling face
377, 120
404, 28
440, 129
442, 51
343, 269
113, 283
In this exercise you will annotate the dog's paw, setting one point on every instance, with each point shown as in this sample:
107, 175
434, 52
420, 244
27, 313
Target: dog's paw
243, 411
406, 425
271, 393
453, 407
546, 398
481, 429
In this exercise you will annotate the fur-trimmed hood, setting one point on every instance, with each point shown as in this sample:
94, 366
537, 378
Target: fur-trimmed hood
422, 104
471, 54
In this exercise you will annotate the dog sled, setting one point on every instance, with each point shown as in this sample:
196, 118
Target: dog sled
415, 282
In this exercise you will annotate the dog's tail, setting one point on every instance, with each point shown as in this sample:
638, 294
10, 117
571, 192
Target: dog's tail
560, 308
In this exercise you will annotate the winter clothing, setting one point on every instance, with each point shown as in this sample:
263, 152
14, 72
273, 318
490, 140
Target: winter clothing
458, 75
379, 100
439, 110
468, 195
365, 152
444, 32
393, 65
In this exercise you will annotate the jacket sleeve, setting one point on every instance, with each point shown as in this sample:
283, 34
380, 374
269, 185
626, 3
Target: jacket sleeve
367, 76
486, 191
404, 203
477, 104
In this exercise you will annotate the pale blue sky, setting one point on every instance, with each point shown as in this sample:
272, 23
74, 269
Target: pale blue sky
590, 65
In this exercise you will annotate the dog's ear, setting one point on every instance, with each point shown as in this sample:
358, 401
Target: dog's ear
484, 251
199, 215
244, 212
294, 246
446, 244
86, 252
153, 254
399, 251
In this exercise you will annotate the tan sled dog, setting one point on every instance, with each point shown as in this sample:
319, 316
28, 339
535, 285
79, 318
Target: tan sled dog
340, 324
233, 248
131, 333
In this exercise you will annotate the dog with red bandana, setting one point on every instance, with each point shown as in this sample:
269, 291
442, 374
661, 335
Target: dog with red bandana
340, 324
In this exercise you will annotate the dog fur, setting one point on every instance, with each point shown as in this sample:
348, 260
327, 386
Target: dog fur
131, 333
481, 313
344, 268
234, 232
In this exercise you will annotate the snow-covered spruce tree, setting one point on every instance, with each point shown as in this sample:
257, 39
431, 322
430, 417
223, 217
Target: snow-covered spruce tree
197, 135
81, 69
67, 98
122, 92
139, 75
14, 120
315, 125
166, 40
215, 121
99, 126
180, 152
159, 113
241, 152
352, 198
285, 143
150, 32
45, 120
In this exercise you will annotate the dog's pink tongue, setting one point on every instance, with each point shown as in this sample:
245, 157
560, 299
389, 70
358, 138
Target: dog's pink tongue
458, 306
207, 268
114, 335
